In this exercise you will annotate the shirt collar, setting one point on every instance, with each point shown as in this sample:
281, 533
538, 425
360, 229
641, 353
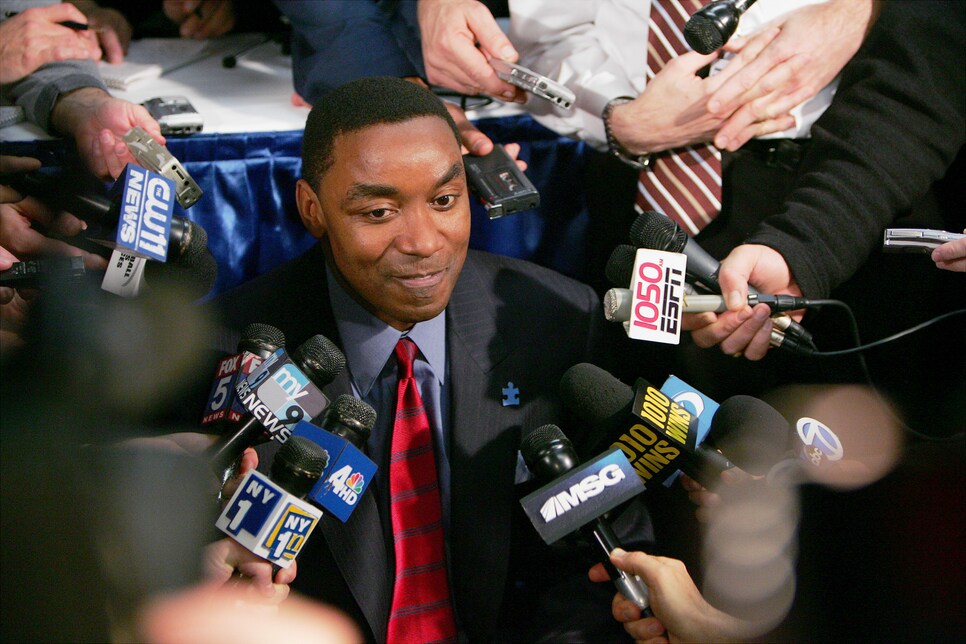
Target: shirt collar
369, 342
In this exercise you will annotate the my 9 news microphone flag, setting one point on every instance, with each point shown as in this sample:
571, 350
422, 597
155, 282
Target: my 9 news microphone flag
279, 395
276, 396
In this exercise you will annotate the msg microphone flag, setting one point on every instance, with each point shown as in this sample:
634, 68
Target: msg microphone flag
582, 495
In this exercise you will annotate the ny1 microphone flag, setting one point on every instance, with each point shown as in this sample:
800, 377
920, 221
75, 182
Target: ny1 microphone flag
223, 401
347, 476
581, 495
657, 296
267, 520
279, 395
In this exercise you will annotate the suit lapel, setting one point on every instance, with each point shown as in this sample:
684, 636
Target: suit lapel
359, 550
483, 453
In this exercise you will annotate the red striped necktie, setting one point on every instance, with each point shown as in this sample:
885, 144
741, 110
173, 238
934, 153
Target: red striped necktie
683, 183
421, 607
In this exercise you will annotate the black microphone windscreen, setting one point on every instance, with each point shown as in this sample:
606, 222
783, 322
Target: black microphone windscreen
321, 360
703, 34
195, 273
653, 230
298, 464
257, 337
620, 266
595, 395
750, 432
351, 408
350, 418
538, 440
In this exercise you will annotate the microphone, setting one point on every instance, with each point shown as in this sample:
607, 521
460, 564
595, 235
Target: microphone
551, 457
620, 265
351, 419
112, 223
710, 27
268, 516
653, 230
345, 427
135, 211
190, 265
659, 437
617, 303
257, 342
37, 273
282, 387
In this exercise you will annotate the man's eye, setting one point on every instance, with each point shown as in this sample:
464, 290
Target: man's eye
378, 213
445, 201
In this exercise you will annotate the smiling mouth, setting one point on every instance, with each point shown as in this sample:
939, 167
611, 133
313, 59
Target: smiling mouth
421, 280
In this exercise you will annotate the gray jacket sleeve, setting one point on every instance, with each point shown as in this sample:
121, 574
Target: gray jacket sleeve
38, 92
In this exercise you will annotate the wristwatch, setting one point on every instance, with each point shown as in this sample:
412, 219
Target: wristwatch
636, 161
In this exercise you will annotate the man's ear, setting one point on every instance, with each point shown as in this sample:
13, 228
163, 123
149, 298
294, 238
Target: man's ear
310, 210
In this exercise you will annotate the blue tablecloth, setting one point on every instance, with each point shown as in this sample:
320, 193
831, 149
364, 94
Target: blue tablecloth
253, 225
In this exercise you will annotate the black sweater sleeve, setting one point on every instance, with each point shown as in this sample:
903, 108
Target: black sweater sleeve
892, 130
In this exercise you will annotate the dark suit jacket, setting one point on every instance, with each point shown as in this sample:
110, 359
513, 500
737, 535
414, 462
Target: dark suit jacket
507, 320
337, 42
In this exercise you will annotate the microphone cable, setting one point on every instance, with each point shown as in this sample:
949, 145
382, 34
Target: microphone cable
859, 348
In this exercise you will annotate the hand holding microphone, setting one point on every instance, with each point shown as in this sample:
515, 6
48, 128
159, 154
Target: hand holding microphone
582, 494
680, 611
655, 231
268, 516
226, 559
743, 329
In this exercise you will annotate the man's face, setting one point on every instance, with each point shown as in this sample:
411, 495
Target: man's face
395, 209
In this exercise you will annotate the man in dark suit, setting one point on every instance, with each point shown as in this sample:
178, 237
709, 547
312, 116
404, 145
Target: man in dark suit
384, 191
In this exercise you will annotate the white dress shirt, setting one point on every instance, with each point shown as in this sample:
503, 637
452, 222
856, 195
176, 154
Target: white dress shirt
598, 48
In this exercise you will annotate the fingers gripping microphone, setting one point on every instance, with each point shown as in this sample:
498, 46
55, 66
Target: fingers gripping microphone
653, 230
137, 217
710, 27
550, 456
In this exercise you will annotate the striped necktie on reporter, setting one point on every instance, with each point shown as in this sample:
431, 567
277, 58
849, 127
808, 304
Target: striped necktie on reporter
421, 606
683, 183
